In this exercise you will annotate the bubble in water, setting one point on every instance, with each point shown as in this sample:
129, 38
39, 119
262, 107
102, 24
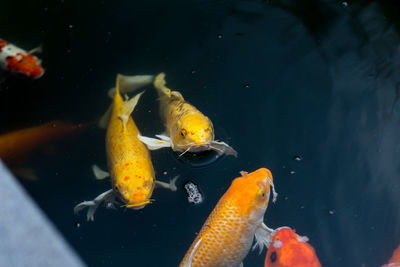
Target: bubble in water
193, 71
246, 85
297, 158
77, 225
70, 26
164, 172
220, 36
292, 172
345, 4
331, 212
193, 193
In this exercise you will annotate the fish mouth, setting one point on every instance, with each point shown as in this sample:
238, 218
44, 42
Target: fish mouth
138, 206
199, 148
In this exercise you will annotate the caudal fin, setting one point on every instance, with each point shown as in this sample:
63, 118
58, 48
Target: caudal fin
125, 84
128, 84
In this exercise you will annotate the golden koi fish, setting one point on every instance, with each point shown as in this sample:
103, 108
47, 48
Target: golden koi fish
129, 162
228, 233
187, 129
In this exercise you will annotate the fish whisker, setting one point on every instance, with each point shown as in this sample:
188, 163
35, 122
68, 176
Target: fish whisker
184, 152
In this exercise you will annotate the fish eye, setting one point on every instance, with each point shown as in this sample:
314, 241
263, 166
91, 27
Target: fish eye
261, 193
183, 132
273, 257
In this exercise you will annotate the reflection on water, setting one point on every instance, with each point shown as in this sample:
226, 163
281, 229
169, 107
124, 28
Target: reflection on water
279, 79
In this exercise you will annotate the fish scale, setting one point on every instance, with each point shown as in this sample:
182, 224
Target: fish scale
226, 222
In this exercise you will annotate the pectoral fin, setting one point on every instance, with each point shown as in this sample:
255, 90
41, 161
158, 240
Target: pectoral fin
171, 185
99, 173
223, 148
92, 205
37, 50
263, 237
104, 120
154, 144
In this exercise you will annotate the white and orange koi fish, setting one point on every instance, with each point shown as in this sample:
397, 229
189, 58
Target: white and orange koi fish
15, 60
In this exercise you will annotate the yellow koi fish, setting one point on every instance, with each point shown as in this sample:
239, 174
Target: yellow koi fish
129, 162
187, 129
228, 233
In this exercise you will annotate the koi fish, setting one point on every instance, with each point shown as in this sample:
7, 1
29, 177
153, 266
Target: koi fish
14, 60
20, 144
187, 129
228, 233
288, 249
129, 163
395, 259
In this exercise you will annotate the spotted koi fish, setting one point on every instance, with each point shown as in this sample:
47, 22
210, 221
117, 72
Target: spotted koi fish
14, 60
288, 249
227, 235
395, 259
129, 163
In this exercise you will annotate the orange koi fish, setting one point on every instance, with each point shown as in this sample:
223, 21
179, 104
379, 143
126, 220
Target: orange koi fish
395, 259
288, 249
128, 160
18, 145
14, 60
228, 233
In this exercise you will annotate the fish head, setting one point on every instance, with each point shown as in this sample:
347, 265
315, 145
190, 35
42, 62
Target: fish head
289, 249
133, 192
193, 132
26, 64
250, 194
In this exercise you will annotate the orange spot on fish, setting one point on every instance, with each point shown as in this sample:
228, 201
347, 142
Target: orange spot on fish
127, 178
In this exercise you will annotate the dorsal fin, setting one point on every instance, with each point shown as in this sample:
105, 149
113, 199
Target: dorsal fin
128, 106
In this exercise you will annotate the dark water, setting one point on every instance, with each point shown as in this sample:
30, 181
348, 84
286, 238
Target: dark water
318, 79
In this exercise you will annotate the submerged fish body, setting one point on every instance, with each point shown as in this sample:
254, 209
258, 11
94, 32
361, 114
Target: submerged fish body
228, 233
288, 249
395, 259
18, 145
129, 163
14, 60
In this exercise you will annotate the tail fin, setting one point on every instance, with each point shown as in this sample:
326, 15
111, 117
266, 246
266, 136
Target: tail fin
124, 84
129, 84
128, 107
159, 84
